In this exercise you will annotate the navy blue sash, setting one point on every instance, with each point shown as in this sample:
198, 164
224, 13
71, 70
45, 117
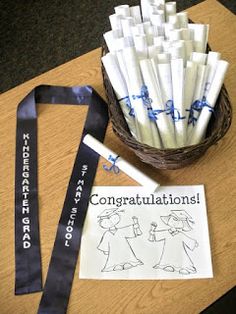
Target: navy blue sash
60, 275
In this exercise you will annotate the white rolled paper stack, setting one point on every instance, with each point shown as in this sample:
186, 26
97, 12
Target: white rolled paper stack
168, 79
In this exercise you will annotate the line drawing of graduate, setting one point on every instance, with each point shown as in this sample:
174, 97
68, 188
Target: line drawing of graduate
114, 242
174, 256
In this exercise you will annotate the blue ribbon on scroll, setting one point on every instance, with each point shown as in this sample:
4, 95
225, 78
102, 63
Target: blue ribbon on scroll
113, 167
172, 111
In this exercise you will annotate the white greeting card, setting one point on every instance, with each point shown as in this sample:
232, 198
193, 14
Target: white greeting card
131, 233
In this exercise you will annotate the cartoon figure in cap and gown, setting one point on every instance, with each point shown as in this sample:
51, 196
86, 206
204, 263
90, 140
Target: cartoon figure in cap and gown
114, 242
174, 255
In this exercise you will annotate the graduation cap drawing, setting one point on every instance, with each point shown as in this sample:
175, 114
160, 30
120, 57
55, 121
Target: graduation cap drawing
109, 212
180, 215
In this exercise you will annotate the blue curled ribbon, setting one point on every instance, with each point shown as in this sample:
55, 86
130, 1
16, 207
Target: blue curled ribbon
128, 104
197, 105
113, 167
170, 109
144, 95
153, 114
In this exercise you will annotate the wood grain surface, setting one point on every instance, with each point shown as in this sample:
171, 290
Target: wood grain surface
59, 135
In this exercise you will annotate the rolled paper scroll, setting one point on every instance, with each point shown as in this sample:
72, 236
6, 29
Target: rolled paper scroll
158, 40
177, 50
141, 46
188, 44
170, 9
152, 237
202, 73
200, 33
153, 8
185, 34
146, 26
167, 28
149, 39
212, 61
177, 72
121, 163
136, 14
163, 58
110, 38
189, 89
183, 19
122, 10
137, 97
145, 9
137, 229
117, 81
175, 34
123, 42
115, 21
157, 19
173, 19
138, 29
158, 114
127, 23
199, 57
208, 105
153, 51
166, 45
122, 66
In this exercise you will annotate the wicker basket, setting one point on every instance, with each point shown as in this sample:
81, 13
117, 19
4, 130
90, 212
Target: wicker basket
168, 158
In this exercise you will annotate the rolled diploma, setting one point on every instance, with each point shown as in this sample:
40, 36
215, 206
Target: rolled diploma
170, 9
121, 163
117, 81
138, 29
127, 23
175, 34
168, 27
157, 19
165, 127
177, 73
188, 48
136, 14
173, 19
141, 46
189, 87
153, 51
122, 10
185, 33
200, 32
163, 58
198, 57
136, 83
183, 19
152, 232
115, 21
177, 50
110, 38
158, 40
137, 229
153, 8
164, 75
202, 72
145, 9
212, 61
200, 128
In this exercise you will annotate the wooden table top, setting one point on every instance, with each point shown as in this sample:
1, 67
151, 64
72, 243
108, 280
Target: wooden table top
59, 135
